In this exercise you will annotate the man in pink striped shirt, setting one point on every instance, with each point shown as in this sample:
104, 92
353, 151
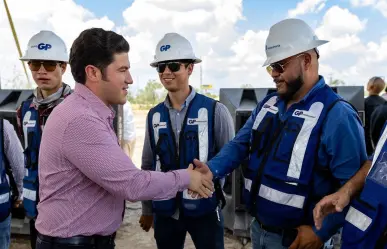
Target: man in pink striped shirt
84, 175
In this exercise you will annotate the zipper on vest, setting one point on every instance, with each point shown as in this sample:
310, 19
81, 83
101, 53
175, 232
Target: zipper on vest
177, 149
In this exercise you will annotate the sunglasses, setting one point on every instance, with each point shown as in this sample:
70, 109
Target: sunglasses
278, 66
49, 66
173, 66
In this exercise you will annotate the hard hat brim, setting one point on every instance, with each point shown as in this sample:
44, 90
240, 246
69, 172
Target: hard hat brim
195, 61
288, 53
28, 58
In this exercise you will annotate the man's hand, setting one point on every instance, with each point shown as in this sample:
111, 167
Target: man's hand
206, 172
146, 222
204, 169
17, 203
306, 239
335, 202
200, 183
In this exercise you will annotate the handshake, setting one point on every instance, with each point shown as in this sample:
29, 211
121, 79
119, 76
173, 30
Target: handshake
201, 184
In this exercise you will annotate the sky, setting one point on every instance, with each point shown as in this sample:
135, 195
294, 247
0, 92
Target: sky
228, 35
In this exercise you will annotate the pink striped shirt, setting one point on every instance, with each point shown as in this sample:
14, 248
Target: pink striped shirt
85, 176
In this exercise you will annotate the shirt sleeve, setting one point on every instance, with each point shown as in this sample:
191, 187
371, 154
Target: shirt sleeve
14, 153
97, 154
129, 129
234, 152
224, 126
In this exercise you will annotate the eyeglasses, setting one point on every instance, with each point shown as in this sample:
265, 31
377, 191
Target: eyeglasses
279, 67
49, 66
174, 66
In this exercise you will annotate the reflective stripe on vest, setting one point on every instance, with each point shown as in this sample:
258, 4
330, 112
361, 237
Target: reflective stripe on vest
29, 194
276, 196
358, 219
157, 125
4, 198
311, 118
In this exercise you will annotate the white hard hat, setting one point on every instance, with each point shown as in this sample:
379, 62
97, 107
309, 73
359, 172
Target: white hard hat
174, 47
46, 45
289, 37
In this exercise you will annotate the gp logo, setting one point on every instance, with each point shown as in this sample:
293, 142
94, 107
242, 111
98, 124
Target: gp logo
164, 48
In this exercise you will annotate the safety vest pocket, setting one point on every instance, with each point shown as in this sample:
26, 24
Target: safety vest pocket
191, 147
260, 137
363, 225
164, 207
164, 150
284, 147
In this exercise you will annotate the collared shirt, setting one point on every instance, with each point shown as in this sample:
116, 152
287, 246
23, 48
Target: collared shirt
85, 176
14, 152
223, 128
342, 149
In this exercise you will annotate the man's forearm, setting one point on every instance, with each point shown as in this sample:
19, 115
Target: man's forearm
356, 183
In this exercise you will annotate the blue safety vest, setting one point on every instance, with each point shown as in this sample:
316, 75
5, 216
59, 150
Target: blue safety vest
196, 140
283, 158
5, 196
366, 220
32, 135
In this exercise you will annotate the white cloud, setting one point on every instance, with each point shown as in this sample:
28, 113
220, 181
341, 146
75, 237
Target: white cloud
362, 3
362, 60
341, 28
307, 6
63, 17
230, 57
380, 5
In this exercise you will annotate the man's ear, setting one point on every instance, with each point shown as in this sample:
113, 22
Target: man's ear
190, 68
93, 73
63, 67
307, 61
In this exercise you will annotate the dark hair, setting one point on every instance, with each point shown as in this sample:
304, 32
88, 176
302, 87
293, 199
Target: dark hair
95, 47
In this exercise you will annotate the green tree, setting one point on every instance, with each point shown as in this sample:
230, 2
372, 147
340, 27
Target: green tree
131, 98
337, 82
152, 94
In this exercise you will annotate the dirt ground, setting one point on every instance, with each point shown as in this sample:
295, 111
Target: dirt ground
130, 235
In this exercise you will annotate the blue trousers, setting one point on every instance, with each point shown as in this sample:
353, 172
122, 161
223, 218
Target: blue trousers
5, 233
207, 232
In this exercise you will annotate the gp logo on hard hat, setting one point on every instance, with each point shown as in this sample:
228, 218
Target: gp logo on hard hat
165, 48
42, 46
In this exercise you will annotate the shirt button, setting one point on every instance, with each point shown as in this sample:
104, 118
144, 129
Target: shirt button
178, 114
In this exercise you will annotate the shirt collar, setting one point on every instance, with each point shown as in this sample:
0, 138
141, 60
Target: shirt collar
95, 102
187, 101
320, 84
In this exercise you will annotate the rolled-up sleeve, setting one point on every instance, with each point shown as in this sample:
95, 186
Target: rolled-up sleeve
107, 165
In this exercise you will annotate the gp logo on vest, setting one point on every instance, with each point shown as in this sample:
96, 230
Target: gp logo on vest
303, 114
165, 48
192, 121
160, 125
42, 46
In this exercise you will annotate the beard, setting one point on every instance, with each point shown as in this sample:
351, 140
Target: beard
292, 88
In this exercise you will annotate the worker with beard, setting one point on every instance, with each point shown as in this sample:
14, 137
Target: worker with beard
302, 142
47, 59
